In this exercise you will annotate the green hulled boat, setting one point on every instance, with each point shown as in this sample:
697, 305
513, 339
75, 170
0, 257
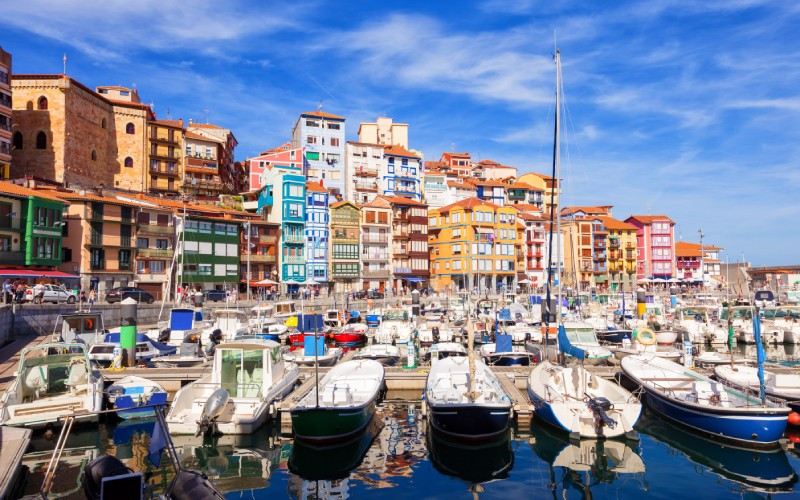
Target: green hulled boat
341, 405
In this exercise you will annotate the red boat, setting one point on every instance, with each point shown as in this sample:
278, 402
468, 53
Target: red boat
351, 335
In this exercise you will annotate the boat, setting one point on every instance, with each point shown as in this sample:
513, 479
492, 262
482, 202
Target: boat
503, 353
239, 395
694, 323
582, 336
81, 327
474, 463
784, 386
435, 307
52, 381
712, 358
333, 318
385, 354
786, 318
285, 310
443, 350
130, 393
579, 402
373, 318
666, 337
764, 298
325, 356
695, 401
395, 327
521, 332
190, 352
643, 341
102, 353
341, 404
767, 470
231, 323
351, 335
464, 398
433, 331
182, 322
613, 336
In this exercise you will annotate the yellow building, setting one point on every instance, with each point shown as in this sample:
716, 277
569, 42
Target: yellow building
474, 244
166, 157
546, 184
621, 241
600, 252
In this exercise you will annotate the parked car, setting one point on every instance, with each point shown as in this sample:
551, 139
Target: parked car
123, 292
52, 293
216, 295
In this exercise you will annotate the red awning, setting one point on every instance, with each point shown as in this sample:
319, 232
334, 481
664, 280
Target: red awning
35, 273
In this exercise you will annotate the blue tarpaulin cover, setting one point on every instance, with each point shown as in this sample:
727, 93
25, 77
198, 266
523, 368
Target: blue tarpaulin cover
565, 346
760, 354
503, 343
309, 344
181, 319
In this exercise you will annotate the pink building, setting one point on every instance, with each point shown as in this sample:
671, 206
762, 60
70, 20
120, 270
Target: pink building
284, 156
655, 242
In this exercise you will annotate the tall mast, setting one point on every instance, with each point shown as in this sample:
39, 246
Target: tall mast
553, 209
557, 181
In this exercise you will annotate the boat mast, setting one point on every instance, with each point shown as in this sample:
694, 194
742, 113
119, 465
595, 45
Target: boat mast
557, 181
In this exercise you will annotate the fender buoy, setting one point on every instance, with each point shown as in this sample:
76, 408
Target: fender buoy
793, 434
645, 337
794, 418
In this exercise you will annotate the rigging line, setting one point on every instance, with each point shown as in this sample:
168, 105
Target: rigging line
543, 136
577, 142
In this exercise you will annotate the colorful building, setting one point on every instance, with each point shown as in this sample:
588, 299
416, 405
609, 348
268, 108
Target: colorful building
225, 144
533, 247
316, 231
322, 137
201, 178
403, 173
698, 263
621, 254
5, 114
492, 191
376, 241
384, 132
520, 193
474, 244
363, 163
409, 250
259, 256
208, 250
155, 246
345, 251
166, 157
283, 201
549, 186
30, 228
655, 245
284, 157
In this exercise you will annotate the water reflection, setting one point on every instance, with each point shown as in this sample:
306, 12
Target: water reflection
472, 463
762, 470
587, 462
785, 354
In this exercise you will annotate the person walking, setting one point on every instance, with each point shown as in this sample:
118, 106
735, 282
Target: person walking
92, 297
38, 292
7, 293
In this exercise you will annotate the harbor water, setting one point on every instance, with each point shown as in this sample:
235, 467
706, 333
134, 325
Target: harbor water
398, 458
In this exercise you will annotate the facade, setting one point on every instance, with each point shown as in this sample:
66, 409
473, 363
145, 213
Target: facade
259, 253
316, 232
363, 163
208, 250
403, 173
492, 171
520, 193
30, 227
283, 201
492, 191
201, 177
99, 239
434, 188
345, 251
166, 157
621, 254
458, 162
533, 247
655, 245
155, 247
474, 244
384, 132
550, 189
66, 132
225, 143
284, 156
376, 242
409, 250
697, 263
5, 114
322, 136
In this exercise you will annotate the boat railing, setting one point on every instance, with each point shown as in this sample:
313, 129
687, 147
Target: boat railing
751, 394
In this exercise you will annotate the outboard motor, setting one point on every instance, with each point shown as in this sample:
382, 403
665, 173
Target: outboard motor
215, 405
213, 339
163, 335
192, 485
435, 331
599, 407
99, 468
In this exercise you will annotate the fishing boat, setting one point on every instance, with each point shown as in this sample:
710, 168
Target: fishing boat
351, 335
134, 396
385, 354
435, 307
102, 353
341, 404
694, 400
764, 298
433, 331
246, 379
333, 318
81, 327
713, 358
52, 381
503, 353
784, 386
582, 336
395, 327
285, 310
305, 356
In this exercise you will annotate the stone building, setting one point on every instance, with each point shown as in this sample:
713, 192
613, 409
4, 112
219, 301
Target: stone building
5, 114
66, 132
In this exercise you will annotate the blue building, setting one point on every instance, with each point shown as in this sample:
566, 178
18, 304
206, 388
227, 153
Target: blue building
401, 173
317, 232
492, 191
283, 200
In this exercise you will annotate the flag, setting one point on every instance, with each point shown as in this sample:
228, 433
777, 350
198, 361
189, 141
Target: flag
157, 444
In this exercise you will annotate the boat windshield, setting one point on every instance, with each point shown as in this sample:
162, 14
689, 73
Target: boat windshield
49, 374
738, 313
395, 315
788, 312
581, 335
691, 313
242, 372
654, 310
285, 307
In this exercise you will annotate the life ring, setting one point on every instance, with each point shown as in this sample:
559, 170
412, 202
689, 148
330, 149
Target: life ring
645, 337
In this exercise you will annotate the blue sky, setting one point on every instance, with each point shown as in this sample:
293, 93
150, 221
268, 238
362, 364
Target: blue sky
689, 108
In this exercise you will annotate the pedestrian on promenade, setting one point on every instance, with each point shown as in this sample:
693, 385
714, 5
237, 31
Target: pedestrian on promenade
82, 297
20, 292
7, 294
92, 297
38, 292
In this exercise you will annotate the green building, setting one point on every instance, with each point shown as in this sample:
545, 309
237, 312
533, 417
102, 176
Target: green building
210, 249
30, 228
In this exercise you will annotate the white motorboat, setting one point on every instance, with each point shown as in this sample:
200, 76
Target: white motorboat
231, 323
182, 322
696, 323
521, 332
583, 336
433, 331
384, 354
786, 318
395, 327
53, 380
325, 356
239, 395
785, 386
444, 350
333, 318
102, 353
190, 353
135, 397
712, 358
81, 327
645, 341
502, 352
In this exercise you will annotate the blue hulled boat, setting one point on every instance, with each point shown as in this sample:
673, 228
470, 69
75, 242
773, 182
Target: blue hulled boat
134, 397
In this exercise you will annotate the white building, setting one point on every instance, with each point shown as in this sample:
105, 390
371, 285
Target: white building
362, 165
322, 134
384, 132
402, 173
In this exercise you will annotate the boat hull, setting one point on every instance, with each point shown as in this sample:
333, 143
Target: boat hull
331, 424
349, 339
511, 359
469, 421
128, 409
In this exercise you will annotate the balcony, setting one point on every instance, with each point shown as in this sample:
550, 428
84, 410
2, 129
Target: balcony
630, 246
375, 256
155, 229
164, 139
297, 239
166, 155
599, 244
374, 238
268, 238
376, 274
165, 253
366, 172
630, 256
8, 223
259, 258
344, 237
17, 258
164, 171
613, 243
366, 186
599, 257
402, 270
293, 259
339, 273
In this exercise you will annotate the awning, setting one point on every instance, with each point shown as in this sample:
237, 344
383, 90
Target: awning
414, 280
35, 273
484, 230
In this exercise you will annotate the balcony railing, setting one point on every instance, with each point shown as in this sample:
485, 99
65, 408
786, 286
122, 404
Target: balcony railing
374, 238
164, 171
375, 256
268, 238
255, 257
630, 256
294, 260
380, 273
155, 229
12, 258
344, 237
98, 266
402, 270
166, 253
294, 238
344, 273
172, 156
167, 139
366, 186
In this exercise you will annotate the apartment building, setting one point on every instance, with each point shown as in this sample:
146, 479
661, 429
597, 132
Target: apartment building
5, 114
166, 157
345, 251
384, 132
322, 135
376, 242
403, 173
410, 258
201, 179
364, 162
317, 232
655, 246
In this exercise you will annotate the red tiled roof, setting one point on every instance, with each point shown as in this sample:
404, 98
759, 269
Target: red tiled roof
649, 219
688, 249
524, 185
16, 190
74, 196
616, 225
598, 210
343, 202
286, 146
322, 114
526, 207
399, 151
461, 185
396, 200
469, 203
378, 202
205, 125
192, 135
491, 184
314, 186
169, 123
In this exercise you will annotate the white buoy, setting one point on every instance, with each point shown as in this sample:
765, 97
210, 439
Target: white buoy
688, 361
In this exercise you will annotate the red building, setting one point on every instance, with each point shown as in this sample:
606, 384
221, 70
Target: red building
655, 245
284, 156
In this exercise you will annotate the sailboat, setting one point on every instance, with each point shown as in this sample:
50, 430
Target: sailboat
573, 399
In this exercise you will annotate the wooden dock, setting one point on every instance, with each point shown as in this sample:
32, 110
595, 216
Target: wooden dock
13, 441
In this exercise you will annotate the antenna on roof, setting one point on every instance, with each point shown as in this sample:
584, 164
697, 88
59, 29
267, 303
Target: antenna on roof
319, 106
206, 115
65, 64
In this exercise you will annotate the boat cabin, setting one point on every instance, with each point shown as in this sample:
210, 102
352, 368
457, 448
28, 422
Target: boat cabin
696, 313
580, 333
285, 308
395, 314
85, 327
247, 368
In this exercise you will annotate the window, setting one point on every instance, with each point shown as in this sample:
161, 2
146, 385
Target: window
17, 140
41, 140
333, 126
130, 129
103, 123
94, 155
142, 242
129, 162
98, 258
334, 141
156, 266
42, 103
311, 139
312, 156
